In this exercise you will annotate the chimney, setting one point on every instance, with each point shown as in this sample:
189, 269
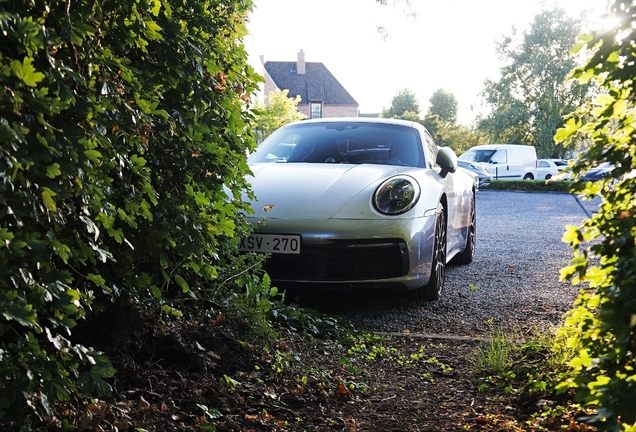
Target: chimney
300, 66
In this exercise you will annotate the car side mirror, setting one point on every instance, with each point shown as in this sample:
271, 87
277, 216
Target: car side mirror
447, 160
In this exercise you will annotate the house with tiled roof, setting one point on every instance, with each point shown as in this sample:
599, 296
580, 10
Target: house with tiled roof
321, 94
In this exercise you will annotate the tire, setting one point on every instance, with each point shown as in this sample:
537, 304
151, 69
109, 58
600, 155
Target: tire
432, 290
467, 255
528, 177
548, 177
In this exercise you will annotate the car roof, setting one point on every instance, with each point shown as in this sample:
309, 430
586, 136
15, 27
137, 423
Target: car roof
376, 120
495, 146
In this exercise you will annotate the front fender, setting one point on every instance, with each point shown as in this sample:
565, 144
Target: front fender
361, 206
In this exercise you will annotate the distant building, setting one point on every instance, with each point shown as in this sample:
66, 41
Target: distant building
321, 94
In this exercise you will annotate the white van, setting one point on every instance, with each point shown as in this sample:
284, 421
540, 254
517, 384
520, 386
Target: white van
505, 161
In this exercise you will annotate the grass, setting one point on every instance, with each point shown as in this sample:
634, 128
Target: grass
493, 355
531, 185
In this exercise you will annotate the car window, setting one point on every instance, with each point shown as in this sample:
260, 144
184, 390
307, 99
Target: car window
544, 164
500, 156
477, 155
338, 142
431, 151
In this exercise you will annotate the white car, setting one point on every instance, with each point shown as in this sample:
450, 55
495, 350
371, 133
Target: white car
360, 203
548, 168
505, 161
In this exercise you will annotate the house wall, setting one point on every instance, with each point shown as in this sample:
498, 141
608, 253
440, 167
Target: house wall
331, 111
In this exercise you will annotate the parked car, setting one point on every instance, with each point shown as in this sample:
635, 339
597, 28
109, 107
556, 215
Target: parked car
598, 173
505, 161
482, 172
360, 203
548, 168
472, 175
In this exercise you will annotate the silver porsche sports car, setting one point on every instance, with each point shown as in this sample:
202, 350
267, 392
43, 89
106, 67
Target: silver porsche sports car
360, 203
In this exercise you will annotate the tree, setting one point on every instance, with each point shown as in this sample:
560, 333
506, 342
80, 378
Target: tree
444, 105
533, 95
602, 326
123, 134
280, 111
460, 138
404, 100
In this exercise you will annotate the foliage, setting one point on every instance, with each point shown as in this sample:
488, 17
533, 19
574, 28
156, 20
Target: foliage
529, 371
280, 110
444, 105
602, 325
458, 137
543, 362
311, 322
403, 101
533, 94
123, 137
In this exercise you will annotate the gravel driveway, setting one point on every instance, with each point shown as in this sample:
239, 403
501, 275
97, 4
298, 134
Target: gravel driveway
513, 283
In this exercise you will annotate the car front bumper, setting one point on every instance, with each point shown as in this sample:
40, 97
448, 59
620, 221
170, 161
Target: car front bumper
354, 253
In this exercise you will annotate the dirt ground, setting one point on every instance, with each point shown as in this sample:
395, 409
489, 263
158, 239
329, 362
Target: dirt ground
189, 377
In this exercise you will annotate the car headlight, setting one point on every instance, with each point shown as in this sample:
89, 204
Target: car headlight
396, 195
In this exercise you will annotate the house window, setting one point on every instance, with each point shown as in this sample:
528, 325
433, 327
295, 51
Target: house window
315, 110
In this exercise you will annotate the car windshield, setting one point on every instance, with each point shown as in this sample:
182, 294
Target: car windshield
477, 155
338, 142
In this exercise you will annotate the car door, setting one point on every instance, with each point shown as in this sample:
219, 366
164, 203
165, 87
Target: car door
501, 168
545, 170
454, 197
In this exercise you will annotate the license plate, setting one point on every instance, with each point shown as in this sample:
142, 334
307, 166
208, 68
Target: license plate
271, 243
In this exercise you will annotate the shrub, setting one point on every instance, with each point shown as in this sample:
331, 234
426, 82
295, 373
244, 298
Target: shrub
123, 136
602, 325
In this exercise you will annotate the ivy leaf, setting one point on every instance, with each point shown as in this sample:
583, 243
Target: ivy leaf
182, 283
56, 389
156, 7
5, 235
19, 311
93, 155
92, 381
26, 72
97, 280
53, 170
570, 128
47, 197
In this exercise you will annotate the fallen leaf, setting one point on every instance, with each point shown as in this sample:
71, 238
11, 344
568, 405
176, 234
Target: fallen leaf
342, 390
482, 420
219, 319
350, 424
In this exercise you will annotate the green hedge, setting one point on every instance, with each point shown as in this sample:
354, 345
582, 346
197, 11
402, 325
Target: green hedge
123, 130
531, 185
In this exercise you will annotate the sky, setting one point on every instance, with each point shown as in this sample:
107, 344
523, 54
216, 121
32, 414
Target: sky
451, 44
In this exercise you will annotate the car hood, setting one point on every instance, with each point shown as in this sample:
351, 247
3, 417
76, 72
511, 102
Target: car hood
318, 191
